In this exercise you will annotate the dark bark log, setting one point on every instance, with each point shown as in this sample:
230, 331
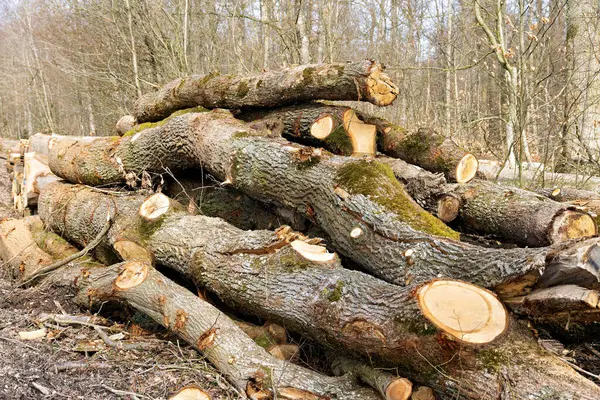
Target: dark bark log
261, 273
509, 213
362, 81
208, 330
335, 127
558, 299
358, 203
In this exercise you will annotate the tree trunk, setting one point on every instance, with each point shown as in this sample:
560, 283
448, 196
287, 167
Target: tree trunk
342, 130
280, 277
363, 80
584, 199
517, 215
358, 203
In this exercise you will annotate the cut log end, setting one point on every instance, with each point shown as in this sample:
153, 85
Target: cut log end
132, 275
322, 127
423, 393
125, 124
191, 393
399, 389
129, 251
466, 168
572, 224
363, 136
154, 207
555, 193
465, 311
448, 208
312, 252
381, 90
284, 352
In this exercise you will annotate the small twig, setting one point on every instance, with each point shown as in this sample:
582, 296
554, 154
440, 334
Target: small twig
583, 371
121, 393
43, 389
47, 269
80, 365
118, 345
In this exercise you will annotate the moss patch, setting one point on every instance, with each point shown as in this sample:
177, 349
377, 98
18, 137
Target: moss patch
334, 294
339, 142
493, 359
242, 89
307, 75
377, 181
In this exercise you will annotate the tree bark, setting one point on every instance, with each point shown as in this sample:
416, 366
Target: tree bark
359, 203
344, 131
517, 215
588, 200
268, 274
362, 80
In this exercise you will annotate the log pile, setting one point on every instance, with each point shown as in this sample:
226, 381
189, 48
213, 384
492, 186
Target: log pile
325, 223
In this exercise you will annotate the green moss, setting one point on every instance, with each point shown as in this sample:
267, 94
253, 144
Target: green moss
339, 142
147, 125
377, 181
307, 75
493, 359
264, 341
334, 294
242, 89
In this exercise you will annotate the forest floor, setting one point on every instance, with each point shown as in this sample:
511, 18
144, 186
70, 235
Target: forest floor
53, 367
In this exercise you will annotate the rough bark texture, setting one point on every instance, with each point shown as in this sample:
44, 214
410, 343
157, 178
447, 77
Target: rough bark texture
394, 239
425, 148
260, 273
588, 200
559, 299
514, 214
362, 80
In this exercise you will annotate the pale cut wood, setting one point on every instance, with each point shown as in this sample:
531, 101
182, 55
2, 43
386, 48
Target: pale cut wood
125, 124
423, 393
18, 249
466, 311
154, 207
190, 393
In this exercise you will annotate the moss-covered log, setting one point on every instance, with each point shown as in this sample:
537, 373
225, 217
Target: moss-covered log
277, 276
514, 214
342, 130
360, 204
361, 80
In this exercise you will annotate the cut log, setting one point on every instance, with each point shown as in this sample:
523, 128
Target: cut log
492, 170
244, 363
18, 249
390, 386
125, 124
362, 81
36, 175
565, 298
41, 143
336, 129
261, 273
400, 242
510, 213
342, 130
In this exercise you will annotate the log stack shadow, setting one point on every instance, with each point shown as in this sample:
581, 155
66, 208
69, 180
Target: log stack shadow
417, 301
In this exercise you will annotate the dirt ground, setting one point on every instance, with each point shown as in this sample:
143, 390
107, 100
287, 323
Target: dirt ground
53, 368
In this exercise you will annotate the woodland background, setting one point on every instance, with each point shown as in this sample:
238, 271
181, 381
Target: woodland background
512, 80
